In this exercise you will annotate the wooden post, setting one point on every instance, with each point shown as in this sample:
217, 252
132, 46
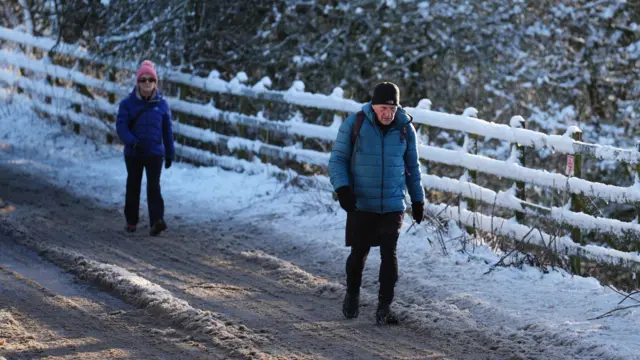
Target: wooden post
637, 205
577, 201
19, 71
111, 76
182, 91
473, 174
574, 169
518, 122
424, 137
424, 165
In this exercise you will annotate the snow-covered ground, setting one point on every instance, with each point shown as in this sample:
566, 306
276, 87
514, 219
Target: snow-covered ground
455, 289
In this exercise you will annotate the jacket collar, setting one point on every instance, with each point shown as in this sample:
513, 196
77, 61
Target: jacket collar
157, 95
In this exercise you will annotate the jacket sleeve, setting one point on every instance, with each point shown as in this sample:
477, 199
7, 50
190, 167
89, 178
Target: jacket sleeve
122, 125
412, 164
340, 159
167, 134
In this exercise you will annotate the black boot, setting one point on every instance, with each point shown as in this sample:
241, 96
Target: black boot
350, 305
158, 227
384, 315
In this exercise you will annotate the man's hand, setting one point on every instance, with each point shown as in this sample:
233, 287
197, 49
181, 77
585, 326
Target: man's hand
417, 210
347, 198
167, 163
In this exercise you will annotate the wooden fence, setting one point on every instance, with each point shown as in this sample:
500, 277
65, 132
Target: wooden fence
78, 90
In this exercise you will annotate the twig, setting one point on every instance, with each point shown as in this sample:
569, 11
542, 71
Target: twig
629, 297
609, 313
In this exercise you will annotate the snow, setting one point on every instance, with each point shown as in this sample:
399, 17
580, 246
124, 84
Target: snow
511, 170
297, 96
524, 234
457, 290
507, 200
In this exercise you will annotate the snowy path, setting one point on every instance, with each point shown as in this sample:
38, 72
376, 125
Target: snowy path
195, 265
287, 312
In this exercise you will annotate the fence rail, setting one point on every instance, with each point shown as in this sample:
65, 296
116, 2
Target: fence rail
296, 96
514, 133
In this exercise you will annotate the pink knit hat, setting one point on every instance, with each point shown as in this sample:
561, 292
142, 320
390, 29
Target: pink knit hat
146, 69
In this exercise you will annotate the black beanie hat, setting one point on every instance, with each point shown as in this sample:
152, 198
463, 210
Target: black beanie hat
386, 93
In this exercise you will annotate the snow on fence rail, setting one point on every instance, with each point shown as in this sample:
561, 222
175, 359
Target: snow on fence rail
469, 190
513, 171
483, 164
296, 96
231, 142
507, 200
525, 234
465, 122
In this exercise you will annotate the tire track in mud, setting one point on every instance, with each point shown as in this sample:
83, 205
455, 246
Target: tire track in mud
299, 325
210, 265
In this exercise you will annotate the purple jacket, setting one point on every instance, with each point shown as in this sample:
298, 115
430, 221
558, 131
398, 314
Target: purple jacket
152, 131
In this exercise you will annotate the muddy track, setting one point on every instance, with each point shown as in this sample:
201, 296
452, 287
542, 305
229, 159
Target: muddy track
59, 318
209, 266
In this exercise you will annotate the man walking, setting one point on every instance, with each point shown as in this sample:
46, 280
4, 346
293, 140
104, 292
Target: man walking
374, 162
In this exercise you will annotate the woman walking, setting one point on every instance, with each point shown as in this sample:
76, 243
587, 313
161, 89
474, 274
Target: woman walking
144, 126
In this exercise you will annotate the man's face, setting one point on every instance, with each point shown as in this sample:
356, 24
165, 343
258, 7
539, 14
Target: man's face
385, 113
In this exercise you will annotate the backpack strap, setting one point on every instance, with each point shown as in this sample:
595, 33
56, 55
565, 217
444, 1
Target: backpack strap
146, 107
403, 134
357, 125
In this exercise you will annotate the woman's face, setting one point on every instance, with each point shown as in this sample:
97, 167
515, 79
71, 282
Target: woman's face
146, 85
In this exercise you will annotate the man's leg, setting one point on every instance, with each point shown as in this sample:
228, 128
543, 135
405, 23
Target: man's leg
354, 267
387, 278
135, 168
388, 270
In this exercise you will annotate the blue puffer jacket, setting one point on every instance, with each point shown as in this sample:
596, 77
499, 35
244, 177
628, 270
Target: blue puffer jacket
152, 130
381, 168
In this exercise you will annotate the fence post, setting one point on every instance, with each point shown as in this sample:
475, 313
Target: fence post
518, 155
77, 107
111, 76
574, 169
423, 137
577, 203
470, 146
637, 184
19, 73
178, 117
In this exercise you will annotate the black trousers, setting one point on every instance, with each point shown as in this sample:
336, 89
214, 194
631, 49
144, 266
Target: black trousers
136, 165
388, 275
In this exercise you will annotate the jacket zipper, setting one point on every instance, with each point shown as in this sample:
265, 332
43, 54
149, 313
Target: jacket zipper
382, 188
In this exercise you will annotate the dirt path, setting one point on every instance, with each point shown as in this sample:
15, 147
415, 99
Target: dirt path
267, 307
54, 317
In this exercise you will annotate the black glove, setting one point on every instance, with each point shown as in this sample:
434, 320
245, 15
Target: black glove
138, 148
167, 163
347, 198
417, 210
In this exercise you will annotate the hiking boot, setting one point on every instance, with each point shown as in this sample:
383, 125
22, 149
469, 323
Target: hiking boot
384, 315
158, 227
130, 228
350, 305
